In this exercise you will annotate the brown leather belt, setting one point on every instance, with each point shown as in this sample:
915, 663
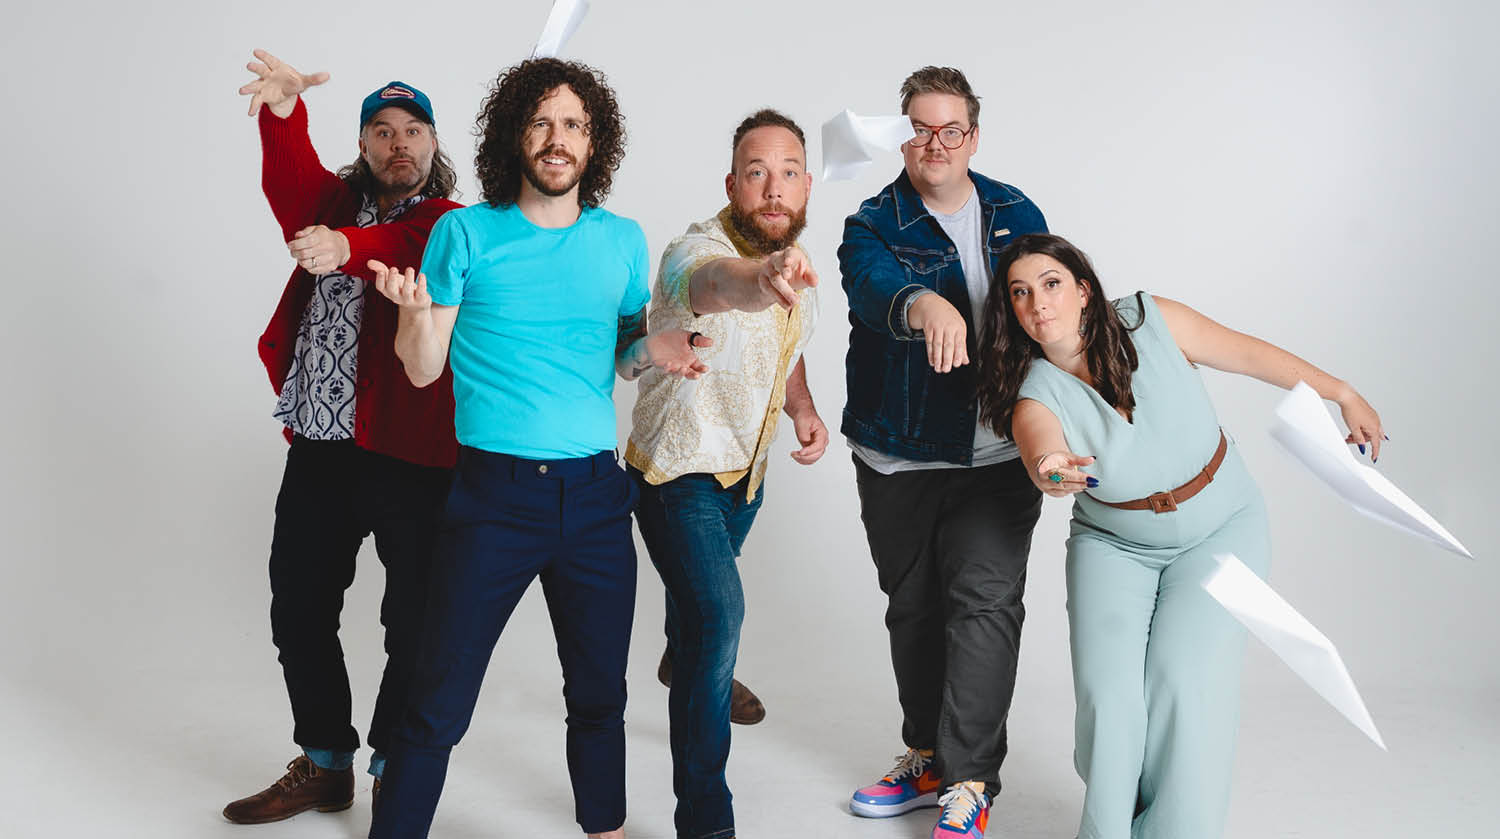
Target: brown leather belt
1166, 502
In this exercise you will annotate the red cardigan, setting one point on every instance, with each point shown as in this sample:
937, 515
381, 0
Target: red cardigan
390, 415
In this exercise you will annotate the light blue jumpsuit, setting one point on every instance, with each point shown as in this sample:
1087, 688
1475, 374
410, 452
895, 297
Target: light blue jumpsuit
1156, 661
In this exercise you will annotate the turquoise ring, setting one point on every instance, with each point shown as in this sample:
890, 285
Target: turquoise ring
1054, 476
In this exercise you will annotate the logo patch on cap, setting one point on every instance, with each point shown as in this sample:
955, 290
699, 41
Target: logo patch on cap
397, 92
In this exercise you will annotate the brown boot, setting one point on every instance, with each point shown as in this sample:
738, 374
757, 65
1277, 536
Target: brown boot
745, 708
303, 787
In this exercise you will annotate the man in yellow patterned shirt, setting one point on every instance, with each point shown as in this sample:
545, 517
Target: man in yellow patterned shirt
698, 448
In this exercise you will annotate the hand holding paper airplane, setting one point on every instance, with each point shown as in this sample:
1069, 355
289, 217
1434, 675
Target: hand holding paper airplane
1303, 427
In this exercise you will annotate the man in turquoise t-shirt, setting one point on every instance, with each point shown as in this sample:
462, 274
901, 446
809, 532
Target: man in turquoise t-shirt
541, 296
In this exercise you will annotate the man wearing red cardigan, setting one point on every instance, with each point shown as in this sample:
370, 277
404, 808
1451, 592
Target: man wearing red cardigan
369, 452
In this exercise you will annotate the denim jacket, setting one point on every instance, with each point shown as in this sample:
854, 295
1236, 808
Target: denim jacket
892, 249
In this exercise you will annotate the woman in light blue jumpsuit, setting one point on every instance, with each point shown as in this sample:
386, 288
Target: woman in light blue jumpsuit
1077, 380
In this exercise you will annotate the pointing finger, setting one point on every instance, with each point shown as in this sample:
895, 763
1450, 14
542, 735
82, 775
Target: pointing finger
784, 291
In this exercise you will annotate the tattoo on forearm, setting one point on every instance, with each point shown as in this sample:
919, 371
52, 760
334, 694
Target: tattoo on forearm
640, 360
630, 344
631, 328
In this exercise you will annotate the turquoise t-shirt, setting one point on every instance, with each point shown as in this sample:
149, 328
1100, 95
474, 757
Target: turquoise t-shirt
533, 349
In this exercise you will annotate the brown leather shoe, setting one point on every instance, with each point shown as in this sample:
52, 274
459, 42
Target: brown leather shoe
303, 787
745, 708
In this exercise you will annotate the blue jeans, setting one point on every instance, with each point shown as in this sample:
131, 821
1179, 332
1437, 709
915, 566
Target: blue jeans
509, 521
693, 529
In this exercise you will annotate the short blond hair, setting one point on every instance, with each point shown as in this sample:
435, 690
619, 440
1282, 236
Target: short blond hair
940, 80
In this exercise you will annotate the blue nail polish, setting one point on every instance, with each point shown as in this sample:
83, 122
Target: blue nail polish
1361, 448
1092, 482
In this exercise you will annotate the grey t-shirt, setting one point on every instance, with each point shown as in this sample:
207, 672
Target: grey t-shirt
966, 229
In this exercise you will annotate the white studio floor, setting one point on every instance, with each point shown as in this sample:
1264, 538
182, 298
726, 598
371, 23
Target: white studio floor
166, 715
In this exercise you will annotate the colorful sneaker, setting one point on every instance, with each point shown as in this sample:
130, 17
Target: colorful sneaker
909, 786
966, 811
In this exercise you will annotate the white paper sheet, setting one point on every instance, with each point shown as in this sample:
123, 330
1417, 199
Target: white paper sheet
850, 142
562, 22
1294, 640
1303, 427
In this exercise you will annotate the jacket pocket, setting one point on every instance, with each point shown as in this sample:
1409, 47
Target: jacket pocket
923, 264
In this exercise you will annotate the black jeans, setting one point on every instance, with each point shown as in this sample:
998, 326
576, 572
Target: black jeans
950, 550
333, 495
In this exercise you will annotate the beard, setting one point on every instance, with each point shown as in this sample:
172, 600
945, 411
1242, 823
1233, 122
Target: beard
403, 180
748, 225
533, 172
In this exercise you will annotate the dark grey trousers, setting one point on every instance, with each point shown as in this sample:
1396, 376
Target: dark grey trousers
950, 550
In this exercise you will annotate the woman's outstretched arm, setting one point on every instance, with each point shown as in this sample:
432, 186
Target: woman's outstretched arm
1208, 342
1039, 435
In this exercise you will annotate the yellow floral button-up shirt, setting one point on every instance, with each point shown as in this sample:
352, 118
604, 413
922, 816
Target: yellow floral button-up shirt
723, 422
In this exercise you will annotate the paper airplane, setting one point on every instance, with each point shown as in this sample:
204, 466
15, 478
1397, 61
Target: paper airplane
1303, 427
562, 22
850, 142
1291, 637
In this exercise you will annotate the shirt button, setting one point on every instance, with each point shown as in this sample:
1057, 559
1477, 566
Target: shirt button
950, 250
542, 470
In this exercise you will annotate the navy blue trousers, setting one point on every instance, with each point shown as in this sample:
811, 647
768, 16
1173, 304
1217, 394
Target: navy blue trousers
508, 521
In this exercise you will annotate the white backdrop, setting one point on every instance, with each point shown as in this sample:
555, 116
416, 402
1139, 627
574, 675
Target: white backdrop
1321, 174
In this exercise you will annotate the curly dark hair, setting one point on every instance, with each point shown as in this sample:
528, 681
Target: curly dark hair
513, 99
442, 180
1006, 351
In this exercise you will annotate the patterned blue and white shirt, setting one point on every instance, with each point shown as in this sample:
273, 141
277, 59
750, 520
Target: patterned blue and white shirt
317, 398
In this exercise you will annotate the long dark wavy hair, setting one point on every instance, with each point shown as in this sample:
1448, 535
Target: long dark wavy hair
508, 109
1006, 351
442, 181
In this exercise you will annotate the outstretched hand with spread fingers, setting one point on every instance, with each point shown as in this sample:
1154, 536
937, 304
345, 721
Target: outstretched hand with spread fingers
406, 289
672, 350
278, 86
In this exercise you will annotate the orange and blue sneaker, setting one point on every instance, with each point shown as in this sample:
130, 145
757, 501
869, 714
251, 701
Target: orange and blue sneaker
966, 811
911, 785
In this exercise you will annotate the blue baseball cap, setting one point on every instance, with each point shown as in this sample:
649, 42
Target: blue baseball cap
401, 95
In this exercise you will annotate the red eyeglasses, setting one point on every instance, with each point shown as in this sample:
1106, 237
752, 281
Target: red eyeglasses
949, 136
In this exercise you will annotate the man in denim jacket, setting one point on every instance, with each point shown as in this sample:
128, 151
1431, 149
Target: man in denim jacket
947, 507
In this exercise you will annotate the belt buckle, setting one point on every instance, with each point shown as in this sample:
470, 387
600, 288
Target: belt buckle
1162, 502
